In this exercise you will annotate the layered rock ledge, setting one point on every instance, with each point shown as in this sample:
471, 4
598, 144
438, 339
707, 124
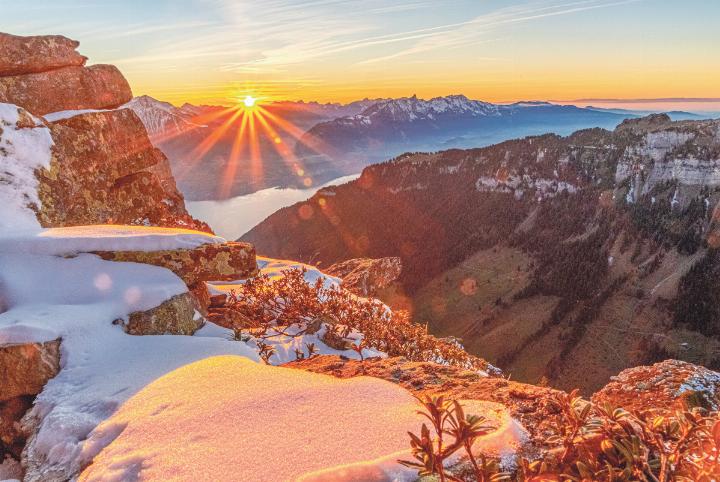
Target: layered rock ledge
104, 168
67, 88
25, 55
209, 262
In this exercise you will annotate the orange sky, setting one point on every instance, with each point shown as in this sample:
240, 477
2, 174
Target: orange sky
216, 51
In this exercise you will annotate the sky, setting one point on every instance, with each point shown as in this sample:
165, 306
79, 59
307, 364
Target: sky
218, 51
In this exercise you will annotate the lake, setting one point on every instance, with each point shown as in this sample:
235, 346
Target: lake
231, 218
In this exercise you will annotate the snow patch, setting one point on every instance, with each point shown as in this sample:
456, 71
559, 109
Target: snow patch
68, 114
218, 419
104, 237
22, 151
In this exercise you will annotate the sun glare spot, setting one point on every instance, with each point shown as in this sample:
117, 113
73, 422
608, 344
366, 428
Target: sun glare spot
249, 101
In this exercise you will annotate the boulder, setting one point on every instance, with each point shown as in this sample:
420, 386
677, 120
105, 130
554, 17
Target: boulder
67, 88
366, 276
208, 262
667, 385
103, 170
27, 55
175, 316
25, 368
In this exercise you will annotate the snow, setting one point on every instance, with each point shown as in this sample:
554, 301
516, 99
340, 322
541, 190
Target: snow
227, 418
76, 299
22, 151
67, 114
105, 237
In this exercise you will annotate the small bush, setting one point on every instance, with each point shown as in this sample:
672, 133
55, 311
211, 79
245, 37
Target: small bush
594, 443
266, 305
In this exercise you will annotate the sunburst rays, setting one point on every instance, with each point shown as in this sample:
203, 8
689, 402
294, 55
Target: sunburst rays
253, 133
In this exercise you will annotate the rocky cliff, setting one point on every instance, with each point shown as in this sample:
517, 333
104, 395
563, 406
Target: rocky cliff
103, 167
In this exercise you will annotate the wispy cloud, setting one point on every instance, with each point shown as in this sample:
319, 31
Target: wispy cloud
470, 32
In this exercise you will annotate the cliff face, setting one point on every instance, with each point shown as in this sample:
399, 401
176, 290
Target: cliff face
686, 153
543, 254
103, 167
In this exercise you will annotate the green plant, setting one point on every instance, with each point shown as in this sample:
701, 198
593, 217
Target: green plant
595, 443
265, 351
447, 418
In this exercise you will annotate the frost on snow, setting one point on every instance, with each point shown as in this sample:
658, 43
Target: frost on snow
23, 149
227, 418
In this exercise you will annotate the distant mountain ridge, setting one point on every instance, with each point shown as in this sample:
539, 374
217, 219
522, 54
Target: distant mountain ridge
390, 127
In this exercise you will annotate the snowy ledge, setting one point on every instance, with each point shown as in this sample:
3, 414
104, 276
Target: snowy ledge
68, 114
104, 237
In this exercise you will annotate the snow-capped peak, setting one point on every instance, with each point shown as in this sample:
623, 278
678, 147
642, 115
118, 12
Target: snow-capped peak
161, 117
412, 108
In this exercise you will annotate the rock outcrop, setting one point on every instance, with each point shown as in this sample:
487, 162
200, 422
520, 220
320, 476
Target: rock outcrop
661, 151
175, 316
667, 385
24, 371
208, 262
24, 55
365, 276
104, 168
67, 88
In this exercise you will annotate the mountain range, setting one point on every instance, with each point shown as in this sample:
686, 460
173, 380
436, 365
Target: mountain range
557, 258
322, 142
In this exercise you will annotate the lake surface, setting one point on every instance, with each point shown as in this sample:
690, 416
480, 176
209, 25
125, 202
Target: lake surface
231, 218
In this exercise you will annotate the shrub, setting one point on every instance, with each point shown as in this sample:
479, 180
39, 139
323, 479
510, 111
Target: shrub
594, 443
430, 453
270, 306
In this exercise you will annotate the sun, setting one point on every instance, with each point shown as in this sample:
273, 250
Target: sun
249, 101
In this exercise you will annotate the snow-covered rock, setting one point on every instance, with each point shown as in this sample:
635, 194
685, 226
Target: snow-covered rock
665, 386
25, 146
408, 109
76, 300
104, 237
